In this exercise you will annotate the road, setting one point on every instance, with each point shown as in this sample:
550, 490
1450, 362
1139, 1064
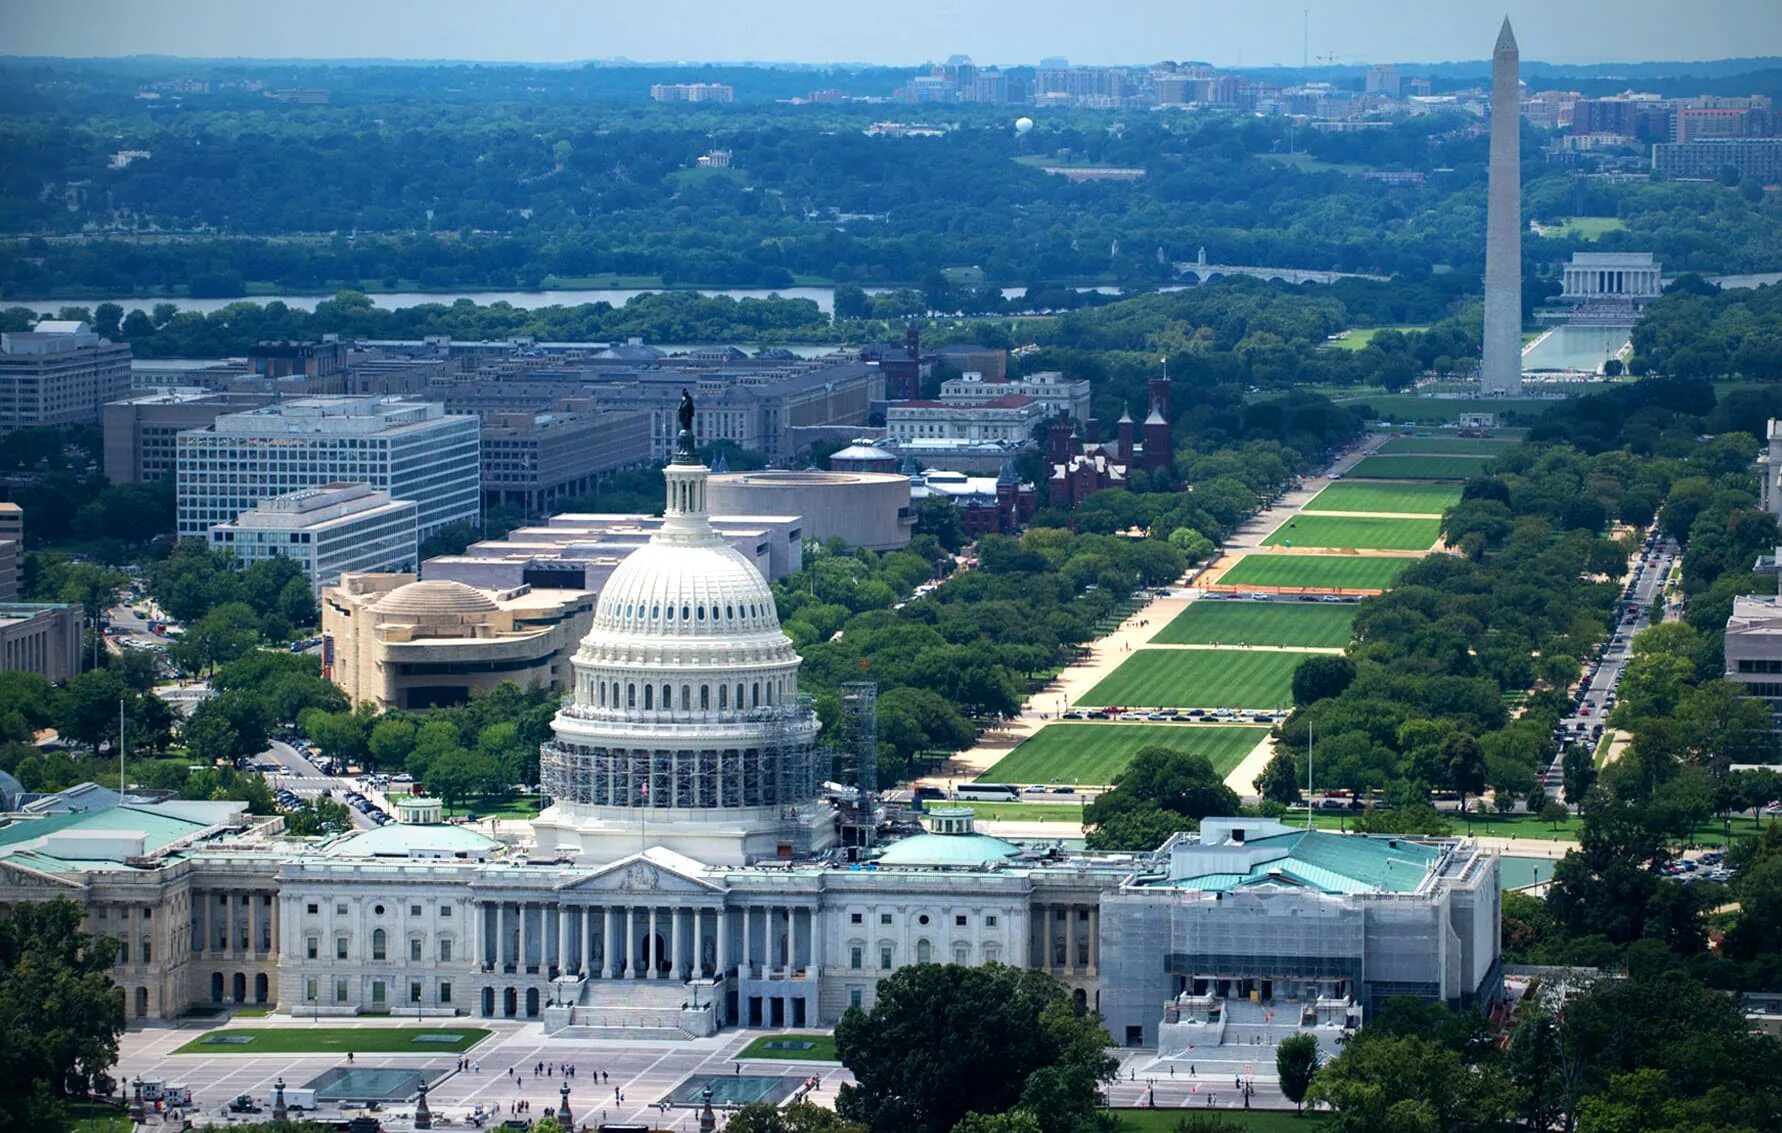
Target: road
1645, 581
297, 772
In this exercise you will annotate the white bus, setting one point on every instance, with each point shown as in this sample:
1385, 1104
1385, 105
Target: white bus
987, 792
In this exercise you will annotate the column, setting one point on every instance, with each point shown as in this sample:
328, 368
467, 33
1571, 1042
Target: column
476, 937
278, 945
722, 918
1094, 938
562, 939
816, 955
679, 969
653, 949
630, 942
748, 953
609, 953
253, 924
520, 960
583, 961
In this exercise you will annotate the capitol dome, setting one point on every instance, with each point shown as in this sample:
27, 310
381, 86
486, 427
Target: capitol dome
423, 599
687, 729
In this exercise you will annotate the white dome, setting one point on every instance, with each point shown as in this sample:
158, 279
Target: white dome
702, 590
687, 717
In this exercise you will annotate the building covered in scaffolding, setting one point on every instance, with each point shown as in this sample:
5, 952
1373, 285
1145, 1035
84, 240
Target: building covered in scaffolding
687, 720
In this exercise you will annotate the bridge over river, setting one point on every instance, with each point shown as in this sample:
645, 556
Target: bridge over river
1199, 271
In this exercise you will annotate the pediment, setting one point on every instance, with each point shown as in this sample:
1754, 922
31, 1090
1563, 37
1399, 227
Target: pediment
653, 872
15, 876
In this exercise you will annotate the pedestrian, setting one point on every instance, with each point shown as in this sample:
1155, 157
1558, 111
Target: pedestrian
1191, 1073
739, 1070
510, 1072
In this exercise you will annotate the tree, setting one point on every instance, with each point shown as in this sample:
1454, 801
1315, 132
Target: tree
1535, 1063
799, 1117
316, 817
1554, 812
226, 633
1296, 1060
392, 738
1321, 676
1007, 1034
60, 1014
1162, 790
1578, 772
227, 727
1279, 781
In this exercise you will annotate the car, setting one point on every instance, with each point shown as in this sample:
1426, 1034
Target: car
244, 1104
1036, 789
1194, 713
1156, 716
1308, 598
1331, 598
1073, 715
1257, 596
1584, 710
1064, 790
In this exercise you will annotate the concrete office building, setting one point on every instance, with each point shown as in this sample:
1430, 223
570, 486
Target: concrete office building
1752, 650
395, 642
411, 450
576, 551
863, 509
292, 359
141, 432
1006, 421
59, 373
196, 373
1500, 372
327, 531
12, 549
40, 637
1055, 393
534, 460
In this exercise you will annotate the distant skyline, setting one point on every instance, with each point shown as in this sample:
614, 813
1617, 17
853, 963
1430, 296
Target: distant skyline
1228, 33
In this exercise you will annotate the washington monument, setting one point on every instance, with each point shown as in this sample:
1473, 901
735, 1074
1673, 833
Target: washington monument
1501, 371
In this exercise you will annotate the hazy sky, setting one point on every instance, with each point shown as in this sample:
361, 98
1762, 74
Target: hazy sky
1224, 32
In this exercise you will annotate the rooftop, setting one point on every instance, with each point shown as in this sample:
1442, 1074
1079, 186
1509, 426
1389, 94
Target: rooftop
1237, 853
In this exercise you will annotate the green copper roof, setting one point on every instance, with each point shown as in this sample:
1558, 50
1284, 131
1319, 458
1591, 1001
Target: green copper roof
1328, 863
962, 851
18, 838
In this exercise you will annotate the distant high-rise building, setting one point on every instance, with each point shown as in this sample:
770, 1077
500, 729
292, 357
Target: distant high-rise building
692, 92
1758, 158
1501, 371
1384, 80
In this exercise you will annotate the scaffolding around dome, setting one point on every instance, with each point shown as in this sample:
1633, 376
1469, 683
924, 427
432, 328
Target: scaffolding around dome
766, 759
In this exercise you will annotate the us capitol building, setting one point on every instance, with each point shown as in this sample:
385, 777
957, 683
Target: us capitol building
687, 876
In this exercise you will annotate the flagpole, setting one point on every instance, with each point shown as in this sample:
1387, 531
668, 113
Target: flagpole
1308, 775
